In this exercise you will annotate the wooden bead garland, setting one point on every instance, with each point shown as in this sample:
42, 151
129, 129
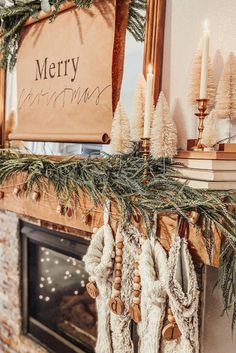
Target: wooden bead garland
171, 331
134, 309
115, 303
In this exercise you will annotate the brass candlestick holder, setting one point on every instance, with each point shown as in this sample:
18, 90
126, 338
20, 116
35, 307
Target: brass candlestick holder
202, 107
146, 153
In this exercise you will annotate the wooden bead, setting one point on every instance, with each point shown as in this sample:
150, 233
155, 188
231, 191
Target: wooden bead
136, 272
137, 286
119, 252
137, 279
136, 293
116, 293
60, 209
118, 273
135, 313
169, 311
117, 286
136, 300
35, 196
171, 318
16, 191
92, 290
136, 265
120, 245
116, 305
117, 280
118, 259
118, 266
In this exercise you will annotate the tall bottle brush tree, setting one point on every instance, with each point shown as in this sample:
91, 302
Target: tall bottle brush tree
194, 89
226, 92
120, 133
163, 133
137, 122
209, 138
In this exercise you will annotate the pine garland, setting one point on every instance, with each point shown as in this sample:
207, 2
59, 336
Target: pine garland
14, 17
120, 179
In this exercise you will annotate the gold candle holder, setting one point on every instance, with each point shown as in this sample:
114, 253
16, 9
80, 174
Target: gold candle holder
202, 107
146, 153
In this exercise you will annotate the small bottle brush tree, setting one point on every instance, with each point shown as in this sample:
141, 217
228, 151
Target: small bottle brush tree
226, 92
163, 133
120, 132
137, 123
209, 138
194, 89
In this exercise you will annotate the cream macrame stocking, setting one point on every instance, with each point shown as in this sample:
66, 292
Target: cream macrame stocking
99, 264
154, 275
120, 324
182, 289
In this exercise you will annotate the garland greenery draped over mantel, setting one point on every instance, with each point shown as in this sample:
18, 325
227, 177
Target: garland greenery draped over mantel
121, 179
13, 19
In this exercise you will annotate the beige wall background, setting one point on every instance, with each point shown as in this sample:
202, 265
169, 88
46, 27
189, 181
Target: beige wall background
184, 22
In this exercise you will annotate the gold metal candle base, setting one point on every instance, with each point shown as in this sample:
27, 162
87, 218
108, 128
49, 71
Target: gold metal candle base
146, 153
202, 107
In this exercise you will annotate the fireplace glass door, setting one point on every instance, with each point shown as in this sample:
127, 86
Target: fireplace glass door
58, 312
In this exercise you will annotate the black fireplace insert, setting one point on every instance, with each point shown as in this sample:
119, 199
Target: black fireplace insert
56, 309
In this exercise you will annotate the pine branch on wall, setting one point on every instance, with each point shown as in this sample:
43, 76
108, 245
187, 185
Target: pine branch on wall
120, 133
137, 123
226, 92
194, 89
163, 132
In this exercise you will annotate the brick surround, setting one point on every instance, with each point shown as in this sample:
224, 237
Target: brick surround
11, 339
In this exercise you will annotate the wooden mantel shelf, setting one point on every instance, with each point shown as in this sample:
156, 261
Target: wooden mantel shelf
45, 210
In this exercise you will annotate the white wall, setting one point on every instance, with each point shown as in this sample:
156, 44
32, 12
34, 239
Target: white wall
184, 20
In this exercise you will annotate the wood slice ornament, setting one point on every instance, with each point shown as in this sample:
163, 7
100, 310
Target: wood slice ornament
134, 308
116, 305
171, 330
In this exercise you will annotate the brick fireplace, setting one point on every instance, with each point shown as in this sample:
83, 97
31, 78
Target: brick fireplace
42, 288
14, 335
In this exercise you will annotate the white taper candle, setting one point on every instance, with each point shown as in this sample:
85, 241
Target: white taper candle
148, 103
204, 67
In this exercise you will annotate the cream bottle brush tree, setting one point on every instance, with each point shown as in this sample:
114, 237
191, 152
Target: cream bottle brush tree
163, 132
194, 89
226, 92
120, 133
209, 137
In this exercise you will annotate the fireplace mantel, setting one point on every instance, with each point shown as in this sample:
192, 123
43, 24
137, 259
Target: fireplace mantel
45, 210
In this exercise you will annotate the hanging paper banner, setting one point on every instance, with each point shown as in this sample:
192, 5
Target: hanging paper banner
64, 76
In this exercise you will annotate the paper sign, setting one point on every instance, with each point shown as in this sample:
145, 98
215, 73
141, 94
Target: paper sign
64, 76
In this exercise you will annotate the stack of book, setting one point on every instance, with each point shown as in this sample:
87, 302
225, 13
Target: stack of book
203, 170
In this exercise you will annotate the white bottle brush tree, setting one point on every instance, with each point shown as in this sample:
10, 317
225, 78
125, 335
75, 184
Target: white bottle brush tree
163, 132
137, 123
194, 89
209, 138
226, 92
120, 132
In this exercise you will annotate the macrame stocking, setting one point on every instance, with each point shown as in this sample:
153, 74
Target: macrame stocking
182, 290
120, 324
99, 264
154, 276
